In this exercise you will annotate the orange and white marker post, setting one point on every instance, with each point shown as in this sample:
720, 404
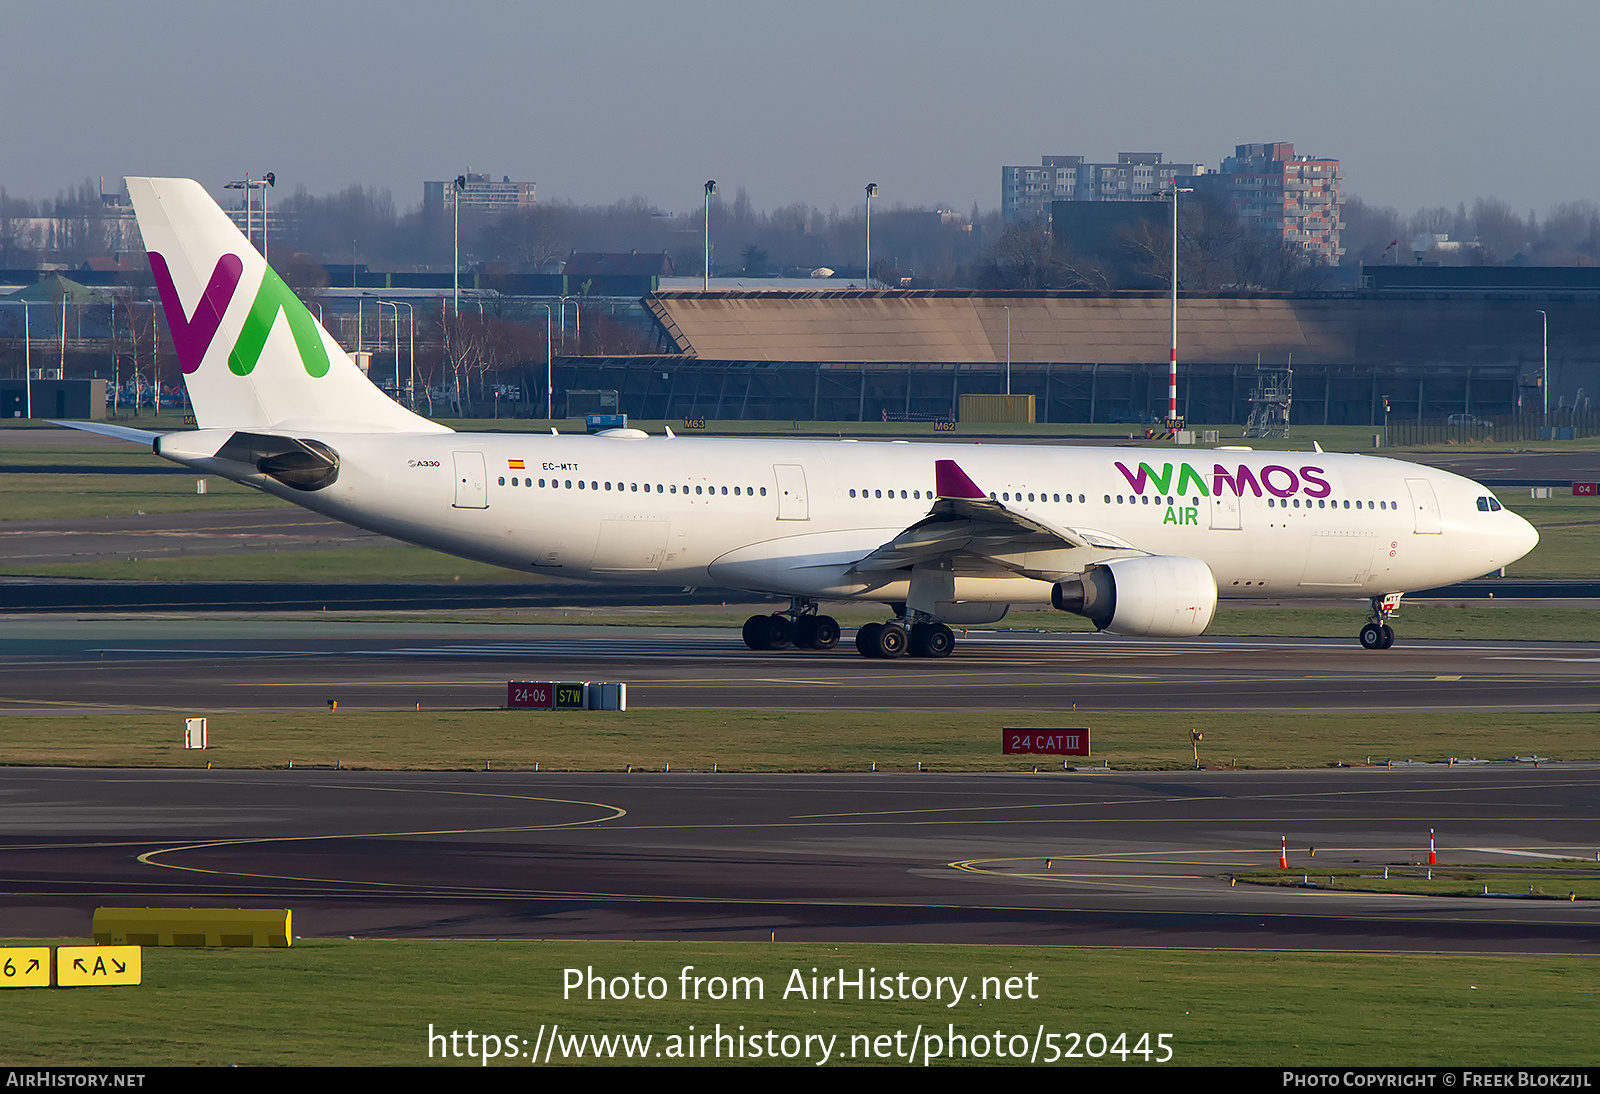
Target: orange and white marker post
1283, 853
1433, 858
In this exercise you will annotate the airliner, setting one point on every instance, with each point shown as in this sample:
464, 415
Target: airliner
1138, 541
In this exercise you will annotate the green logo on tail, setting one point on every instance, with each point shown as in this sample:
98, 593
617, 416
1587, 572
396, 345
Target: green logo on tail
272, 298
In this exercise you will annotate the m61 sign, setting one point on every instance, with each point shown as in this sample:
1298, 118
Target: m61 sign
1045, 742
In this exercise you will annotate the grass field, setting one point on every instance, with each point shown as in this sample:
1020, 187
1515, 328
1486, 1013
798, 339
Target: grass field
764, 740
1573, 878
372, 1003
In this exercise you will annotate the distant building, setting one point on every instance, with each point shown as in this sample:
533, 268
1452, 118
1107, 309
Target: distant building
1295, 198
1026, 193
482, 194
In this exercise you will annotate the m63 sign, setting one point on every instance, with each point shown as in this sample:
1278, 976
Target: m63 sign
1046, 742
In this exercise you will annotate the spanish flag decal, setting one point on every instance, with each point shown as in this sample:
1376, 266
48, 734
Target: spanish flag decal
515, 465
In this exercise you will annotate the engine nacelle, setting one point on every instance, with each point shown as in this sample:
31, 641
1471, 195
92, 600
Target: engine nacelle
1165, 596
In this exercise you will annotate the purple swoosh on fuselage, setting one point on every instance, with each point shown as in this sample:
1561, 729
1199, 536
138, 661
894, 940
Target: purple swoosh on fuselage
192, 334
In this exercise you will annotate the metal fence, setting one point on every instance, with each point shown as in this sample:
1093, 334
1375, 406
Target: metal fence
1563, 425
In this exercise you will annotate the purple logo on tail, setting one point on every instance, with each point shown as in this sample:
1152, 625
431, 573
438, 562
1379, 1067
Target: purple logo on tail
192, 334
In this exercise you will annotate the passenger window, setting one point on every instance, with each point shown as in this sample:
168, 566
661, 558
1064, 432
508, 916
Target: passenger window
724, 489
541, 482
697, 490
763, 491
502, 480
852, 492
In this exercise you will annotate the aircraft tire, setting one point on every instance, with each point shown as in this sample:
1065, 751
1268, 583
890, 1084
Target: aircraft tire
818, 632
1388, 636
778, 633
867, 640
1372, 637
755, 629
931, 640
891, 640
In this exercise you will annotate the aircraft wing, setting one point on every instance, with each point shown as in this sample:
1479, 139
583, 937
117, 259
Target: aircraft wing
110, 429
966, 528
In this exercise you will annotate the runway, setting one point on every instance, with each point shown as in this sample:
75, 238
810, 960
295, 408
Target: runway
66, 665
1086, 859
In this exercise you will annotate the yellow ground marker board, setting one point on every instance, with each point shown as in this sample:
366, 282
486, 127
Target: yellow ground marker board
98, 966
24, 966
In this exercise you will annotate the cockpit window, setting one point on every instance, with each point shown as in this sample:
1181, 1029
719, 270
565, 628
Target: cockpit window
1483, 505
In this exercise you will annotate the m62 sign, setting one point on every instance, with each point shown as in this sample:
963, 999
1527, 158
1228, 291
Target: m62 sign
1045, 742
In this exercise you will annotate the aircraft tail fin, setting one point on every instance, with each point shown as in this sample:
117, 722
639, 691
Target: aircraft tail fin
253, 356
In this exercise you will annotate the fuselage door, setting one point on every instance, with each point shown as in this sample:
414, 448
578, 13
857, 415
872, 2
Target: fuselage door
1225, 512
792, 504
1424, 506
472, 481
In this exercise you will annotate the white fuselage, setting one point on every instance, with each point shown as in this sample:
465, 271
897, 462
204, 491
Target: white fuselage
792, 517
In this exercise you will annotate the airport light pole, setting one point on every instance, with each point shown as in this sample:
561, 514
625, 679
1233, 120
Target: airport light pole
455, 266
249, 186
1544, 374
1173, 422
577, 320
390, 304
1008, 351
872, 191
411, 352
549, 367
711, 188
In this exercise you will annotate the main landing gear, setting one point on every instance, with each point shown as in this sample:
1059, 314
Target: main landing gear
1377, 634
800, 627
893, 639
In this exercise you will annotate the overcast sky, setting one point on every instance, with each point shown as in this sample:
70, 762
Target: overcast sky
1426, 103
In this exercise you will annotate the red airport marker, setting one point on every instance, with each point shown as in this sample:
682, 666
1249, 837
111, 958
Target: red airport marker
1283, 853
1433, 858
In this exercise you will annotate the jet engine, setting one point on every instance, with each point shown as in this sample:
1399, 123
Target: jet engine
1164, 596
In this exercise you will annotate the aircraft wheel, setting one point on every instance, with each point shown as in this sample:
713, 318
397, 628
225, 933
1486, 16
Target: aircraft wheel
936, 640
778, 633
1372, 637
891, 640
818, 632
867, 640
755, 630
1388, 636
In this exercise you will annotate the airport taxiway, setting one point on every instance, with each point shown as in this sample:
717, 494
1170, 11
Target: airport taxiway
1083, 859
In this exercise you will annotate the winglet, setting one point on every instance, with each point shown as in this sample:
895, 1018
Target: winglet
952, 482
